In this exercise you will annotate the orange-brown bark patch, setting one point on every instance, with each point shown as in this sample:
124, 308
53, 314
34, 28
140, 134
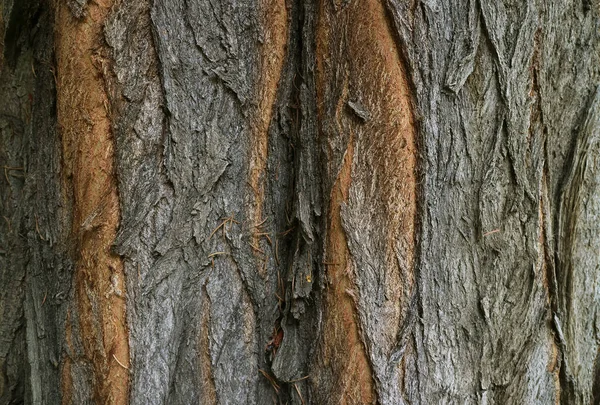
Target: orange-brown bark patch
272, 57
88, 157
554, 368
391, 147
388, 138
344, 349
359, 66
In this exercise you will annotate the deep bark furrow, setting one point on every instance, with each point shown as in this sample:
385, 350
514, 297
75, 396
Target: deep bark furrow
35, 264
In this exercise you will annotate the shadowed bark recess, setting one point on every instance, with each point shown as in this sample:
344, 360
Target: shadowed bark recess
301, 202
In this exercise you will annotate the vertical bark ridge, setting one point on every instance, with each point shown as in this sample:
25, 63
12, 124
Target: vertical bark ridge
578, 277
147, 204
84, 118
368, 127
203, 186
483, 149
274, 27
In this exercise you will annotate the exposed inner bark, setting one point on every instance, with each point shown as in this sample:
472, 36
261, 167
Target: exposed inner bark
364, 104
344, 350
84, 119
272, 58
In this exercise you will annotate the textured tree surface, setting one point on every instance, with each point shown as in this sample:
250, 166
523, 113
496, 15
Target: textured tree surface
301, 202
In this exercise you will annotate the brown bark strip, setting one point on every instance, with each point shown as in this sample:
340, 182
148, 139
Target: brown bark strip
373, 122
342, 351
272, 56
343, 343
388, 142
85, 123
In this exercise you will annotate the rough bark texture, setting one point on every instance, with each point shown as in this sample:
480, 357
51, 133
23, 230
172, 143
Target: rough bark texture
304, 202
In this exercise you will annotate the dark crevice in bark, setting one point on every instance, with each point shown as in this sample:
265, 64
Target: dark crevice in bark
20, 26
293, 238
33, 267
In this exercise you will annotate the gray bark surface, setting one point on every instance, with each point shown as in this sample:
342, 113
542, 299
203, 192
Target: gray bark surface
35, 263
470, 277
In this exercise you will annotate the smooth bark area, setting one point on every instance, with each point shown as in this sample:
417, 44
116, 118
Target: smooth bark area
302, 202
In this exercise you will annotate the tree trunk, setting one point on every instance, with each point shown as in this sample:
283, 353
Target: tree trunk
302, 202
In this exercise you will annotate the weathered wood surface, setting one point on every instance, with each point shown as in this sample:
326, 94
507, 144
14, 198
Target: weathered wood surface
335, 201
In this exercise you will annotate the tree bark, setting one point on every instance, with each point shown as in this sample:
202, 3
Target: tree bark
303, 202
